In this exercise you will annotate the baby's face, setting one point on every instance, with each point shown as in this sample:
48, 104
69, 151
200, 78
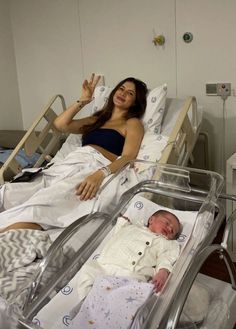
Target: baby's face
164, 224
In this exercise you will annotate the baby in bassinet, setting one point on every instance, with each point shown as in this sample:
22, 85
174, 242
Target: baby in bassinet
136, 252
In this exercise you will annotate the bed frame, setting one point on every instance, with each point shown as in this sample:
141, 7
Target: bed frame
42, 137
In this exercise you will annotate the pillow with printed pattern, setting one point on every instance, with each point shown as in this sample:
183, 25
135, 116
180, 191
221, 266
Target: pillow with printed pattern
101, 95
152, 146
156, 101
155, 109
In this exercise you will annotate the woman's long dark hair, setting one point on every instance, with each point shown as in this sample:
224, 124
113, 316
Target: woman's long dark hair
135, 111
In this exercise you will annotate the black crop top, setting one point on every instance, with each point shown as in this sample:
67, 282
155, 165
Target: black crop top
110, 139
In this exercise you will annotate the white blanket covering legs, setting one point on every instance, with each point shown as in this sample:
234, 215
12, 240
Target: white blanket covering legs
50, 199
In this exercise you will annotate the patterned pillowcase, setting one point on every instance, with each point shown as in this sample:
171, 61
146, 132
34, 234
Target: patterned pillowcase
155, 109
101, 95
152, 147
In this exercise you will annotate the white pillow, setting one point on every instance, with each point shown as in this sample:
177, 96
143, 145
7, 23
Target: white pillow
152, 146
101, 95
155, 110
153, 142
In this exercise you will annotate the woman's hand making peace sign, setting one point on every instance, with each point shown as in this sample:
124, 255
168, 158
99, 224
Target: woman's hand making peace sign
88, 88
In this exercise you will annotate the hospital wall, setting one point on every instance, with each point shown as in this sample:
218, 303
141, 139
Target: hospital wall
57, 43
10, 108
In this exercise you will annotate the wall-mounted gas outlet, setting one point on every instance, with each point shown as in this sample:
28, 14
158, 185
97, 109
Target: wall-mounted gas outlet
222, 89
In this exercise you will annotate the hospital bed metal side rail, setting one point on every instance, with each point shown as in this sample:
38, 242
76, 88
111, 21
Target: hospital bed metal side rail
33, 140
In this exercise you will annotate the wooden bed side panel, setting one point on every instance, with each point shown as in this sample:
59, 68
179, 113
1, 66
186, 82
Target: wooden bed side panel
35, 140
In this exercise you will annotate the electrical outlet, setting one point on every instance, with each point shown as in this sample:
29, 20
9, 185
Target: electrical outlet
224, 89
211, 89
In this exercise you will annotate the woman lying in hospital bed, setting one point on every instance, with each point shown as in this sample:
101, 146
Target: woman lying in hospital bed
111, 138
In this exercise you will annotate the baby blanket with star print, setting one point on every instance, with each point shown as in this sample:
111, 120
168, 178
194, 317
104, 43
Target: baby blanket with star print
112, 303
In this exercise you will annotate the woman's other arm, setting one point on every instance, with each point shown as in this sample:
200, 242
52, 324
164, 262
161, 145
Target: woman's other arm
134, 134
64, 122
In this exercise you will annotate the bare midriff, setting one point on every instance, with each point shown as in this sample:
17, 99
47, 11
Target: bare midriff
110, 156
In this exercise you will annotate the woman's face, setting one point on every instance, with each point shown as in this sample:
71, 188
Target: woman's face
125, 95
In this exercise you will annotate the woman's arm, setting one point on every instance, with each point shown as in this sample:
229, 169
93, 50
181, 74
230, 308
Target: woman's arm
134, 134
64, 122
133, 139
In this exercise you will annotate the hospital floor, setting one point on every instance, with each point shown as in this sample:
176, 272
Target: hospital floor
214, 266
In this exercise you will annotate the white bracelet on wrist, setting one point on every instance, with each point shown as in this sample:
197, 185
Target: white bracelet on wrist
106, 171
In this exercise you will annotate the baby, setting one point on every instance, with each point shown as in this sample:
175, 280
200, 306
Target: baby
133, 251
137, 251
166, 224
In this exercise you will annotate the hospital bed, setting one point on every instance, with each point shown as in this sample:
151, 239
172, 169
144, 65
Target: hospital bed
201, 213
171, 130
